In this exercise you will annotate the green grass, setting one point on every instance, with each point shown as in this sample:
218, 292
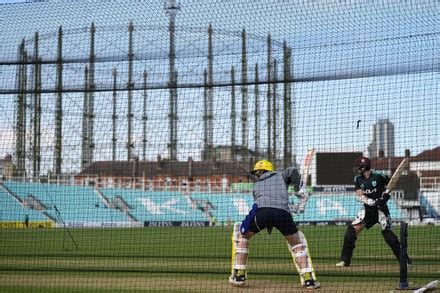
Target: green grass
198, 259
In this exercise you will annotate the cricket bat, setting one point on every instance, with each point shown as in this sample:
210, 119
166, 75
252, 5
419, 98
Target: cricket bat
304, 180
303, 185
306, 169
393, 181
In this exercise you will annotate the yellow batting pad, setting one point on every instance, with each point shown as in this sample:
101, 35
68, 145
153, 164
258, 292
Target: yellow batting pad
307, 254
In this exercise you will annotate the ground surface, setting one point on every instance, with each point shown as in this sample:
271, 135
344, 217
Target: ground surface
198, 260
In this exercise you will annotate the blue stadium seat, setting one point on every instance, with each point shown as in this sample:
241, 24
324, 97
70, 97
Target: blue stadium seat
158, 205
13, 211
227, 207
79, 205
75, 205
235, 207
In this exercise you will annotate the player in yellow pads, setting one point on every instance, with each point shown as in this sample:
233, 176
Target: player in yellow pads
270, 210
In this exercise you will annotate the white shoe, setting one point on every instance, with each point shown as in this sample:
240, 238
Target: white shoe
341, 264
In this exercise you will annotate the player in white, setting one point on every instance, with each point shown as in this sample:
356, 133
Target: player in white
370, 190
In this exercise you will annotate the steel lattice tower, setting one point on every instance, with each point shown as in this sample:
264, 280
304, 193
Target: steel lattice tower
171, 9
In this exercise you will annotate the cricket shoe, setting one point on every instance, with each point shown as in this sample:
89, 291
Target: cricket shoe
342, 264
237, 280
311, 284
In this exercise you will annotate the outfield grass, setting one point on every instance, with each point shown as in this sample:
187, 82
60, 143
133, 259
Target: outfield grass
198, 260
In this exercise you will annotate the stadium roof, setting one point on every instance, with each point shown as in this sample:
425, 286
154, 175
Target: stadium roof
165, 168
428, 155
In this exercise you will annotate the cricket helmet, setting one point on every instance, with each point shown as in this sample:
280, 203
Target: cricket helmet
362, 164
263, 165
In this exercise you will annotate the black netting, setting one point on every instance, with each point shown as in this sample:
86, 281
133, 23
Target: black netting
128, 130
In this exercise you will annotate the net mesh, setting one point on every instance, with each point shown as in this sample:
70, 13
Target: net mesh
129, 128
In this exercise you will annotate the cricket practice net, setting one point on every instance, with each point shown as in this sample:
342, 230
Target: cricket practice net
128, 131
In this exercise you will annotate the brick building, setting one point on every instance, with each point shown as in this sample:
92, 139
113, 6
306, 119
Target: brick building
6, 167
165, 174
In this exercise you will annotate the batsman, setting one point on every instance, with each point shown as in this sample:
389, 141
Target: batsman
371, 190
270, 209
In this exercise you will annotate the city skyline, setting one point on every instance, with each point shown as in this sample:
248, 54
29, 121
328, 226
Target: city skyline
382, 139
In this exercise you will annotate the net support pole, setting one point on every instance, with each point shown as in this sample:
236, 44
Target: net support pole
36, 151
257, 113
130, 86
269, 96
233, 115
59, 106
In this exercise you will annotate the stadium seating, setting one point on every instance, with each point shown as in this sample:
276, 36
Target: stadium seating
158, 205
84, 206
320, 208
74, 205
226, 207
11, 210
431, 203
338, 208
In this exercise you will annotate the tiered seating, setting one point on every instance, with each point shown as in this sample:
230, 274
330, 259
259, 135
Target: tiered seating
157, 206
338, 208
82, 206
430, 200
76, 205
235, 207
227, 207
12, 211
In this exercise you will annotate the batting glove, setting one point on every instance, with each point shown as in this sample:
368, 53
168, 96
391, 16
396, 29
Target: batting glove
379, 202
386, 196
298, 208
